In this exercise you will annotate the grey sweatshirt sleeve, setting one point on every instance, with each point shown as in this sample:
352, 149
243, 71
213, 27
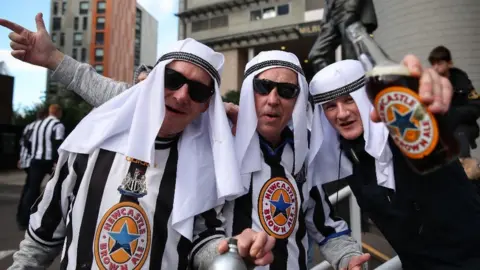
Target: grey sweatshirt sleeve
34, 256
339, 250
84, 80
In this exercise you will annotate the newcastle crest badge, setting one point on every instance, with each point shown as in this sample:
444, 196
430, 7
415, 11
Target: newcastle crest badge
134, 186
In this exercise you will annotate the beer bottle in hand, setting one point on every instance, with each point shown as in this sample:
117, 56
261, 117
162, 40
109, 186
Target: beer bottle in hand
230, 260
425, 139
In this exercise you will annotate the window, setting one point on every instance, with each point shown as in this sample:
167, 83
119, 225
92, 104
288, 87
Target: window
100, 23
62, 39
99, 69
217, 22
85, 23
99, 39
283, 9
98, 55
54, 37
101, 5
84, 55
255, 15
74, 53
200, 25
269, 12
64, 7
83, 8
77, 39
57, 24
75, 23
55, 8
313, 4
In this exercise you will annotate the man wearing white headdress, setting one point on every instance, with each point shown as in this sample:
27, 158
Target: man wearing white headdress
271, 144
119, 200
432, 220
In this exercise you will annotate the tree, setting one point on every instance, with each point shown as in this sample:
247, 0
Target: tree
232, 96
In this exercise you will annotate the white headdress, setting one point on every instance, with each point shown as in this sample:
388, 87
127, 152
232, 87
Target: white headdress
129, 124
325, 163
247, 142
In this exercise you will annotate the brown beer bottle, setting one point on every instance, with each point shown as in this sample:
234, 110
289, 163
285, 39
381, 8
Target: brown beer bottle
425, 139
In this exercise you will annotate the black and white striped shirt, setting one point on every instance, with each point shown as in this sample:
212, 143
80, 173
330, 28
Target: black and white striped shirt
45, 133
25, 146
280, 204
103, 229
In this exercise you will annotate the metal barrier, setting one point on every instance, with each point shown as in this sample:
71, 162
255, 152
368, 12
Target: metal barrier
356, 227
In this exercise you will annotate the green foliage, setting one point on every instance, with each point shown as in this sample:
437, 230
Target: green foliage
232, 96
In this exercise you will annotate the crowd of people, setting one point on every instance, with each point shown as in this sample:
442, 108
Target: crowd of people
162, 172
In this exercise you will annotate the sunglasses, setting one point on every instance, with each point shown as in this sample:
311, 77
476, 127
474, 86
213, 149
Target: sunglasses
284, 90
197, 91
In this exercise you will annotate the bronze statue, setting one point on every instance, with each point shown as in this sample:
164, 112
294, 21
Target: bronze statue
338, 14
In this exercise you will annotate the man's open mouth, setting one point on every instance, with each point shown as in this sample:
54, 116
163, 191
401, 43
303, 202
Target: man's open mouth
173, 110
346, 124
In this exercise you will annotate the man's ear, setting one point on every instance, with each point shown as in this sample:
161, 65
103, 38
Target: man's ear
205, 105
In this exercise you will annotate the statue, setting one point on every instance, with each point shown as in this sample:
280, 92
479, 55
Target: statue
338, 14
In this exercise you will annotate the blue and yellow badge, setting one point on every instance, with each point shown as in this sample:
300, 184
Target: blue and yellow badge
278, 207
122, 239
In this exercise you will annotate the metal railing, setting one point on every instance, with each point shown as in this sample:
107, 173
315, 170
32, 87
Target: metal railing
356, 228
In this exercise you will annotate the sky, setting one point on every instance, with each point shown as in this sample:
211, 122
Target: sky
30, 81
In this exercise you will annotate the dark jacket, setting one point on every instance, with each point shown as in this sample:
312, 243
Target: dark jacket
431, 221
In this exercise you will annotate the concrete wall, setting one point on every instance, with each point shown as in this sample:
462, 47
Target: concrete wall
148, 50
417, 26
239, 20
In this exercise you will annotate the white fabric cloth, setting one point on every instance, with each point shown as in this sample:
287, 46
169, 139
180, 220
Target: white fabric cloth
207, 171
325, 163
247, 142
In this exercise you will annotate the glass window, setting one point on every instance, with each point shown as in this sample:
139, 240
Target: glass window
57, 24
64, 7
62, 39
99, 39
314, 4
255, 15
75, 23
77, 39
54, 37
101, 6
98, 55
283, 9
200, 25
84, 55
269, 12
85, 23
99, 69
217, 22
74, 53
100, 23
55, 8
83, 8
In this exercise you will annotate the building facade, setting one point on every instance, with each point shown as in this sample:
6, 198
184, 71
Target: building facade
113, 36
417, 26
242, 28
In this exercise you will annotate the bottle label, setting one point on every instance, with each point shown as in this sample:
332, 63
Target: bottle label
413, 128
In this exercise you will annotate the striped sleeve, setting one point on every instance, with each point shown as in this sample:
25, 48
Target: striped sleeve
320, 219
47, 221
59, 131
209, 226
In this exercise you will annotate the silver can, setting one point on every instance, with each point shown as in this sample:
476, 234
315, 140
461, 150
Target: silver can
230, 260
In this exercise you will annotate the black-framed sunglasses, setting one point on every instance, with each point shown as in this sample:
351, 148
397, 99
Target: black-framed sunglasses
284, 90
197, 91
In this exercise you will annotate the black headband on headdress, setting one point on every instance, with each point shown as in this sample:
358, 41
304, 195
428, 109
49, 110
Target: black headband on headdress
335, 93
273, 63
194, 59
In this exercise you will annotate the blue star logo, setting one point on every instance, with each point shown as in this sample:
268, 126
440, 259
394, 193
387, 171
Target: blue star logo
402, 122
281, 206
123, 239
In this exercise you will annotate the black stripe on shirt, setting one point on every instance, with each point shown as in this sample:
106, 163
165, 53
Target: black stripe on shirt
280, 250
53, 214
79, 167
319, 214
242, 211
163, 209
100, 173
44, 141
301, 232
183, 248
